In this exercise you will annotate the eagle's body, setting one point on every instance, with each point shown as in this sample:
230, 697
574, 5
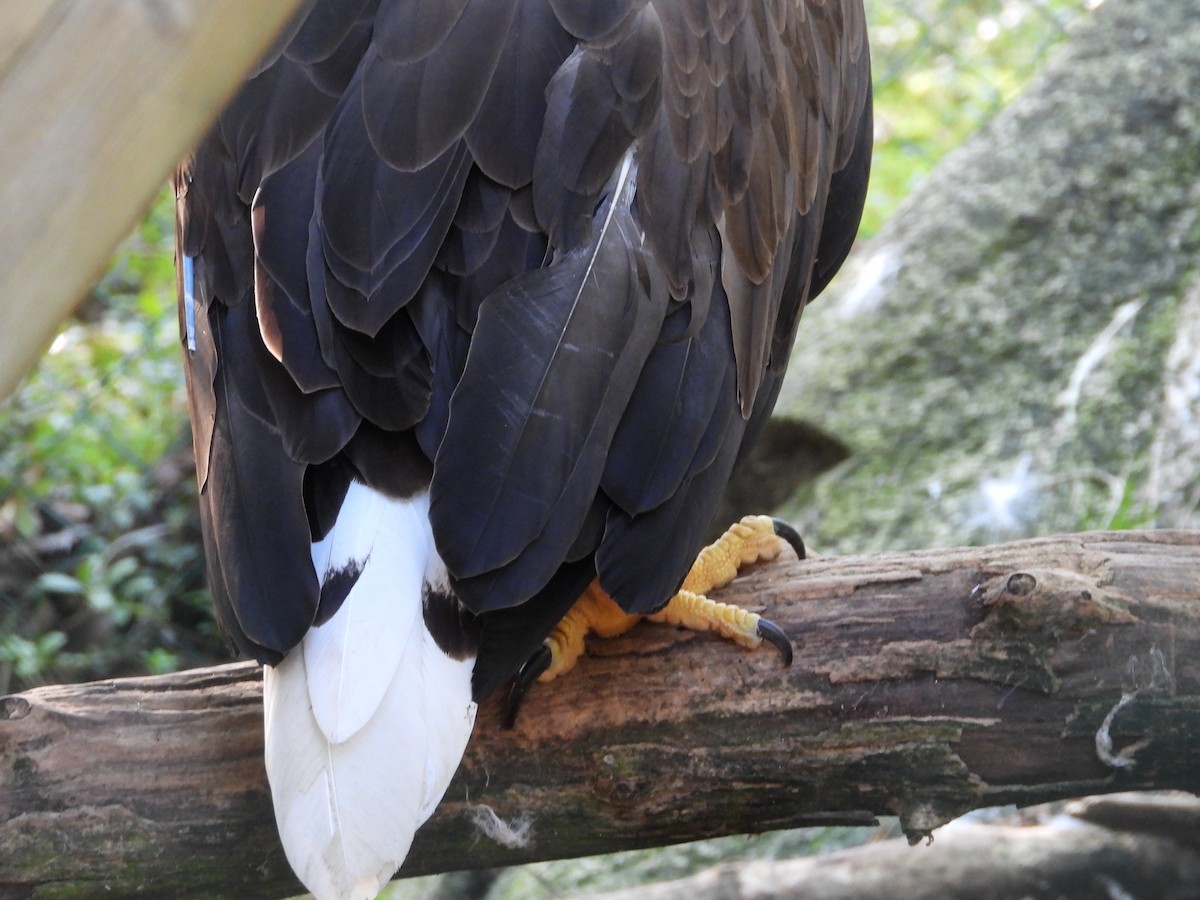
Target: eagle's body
482, 299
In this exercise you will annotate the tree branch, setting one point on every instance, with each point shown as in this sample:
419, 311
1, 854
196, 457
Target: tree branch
1067, 856
925, 684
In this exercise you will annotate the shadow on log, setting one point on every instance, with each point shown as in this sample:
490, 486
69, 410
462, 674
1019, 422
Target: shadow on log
925, 684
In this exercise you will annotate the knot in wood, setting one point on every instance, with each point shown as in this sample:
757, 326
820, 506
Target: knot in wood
623, 791
1020, 584
14, 708
1051, 601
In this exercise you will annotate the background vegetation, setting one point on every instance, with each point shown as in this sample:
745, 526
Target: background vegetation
100, 563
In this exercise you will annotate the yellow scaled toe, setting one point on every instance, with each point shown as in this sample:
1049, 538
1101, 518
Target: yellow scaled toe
753, 539
696, 612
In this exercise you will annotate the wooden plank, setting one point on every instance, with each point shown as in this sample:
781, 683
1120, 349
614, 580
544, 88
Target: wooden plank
20, 20
925, 684
99, 100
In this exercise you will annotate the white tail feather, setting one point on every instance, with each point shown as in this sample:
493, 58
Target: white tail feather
366, 720
351, 658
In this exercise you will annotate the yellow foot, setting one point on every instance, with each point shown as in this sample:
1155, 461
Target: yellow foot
594, 611
695, 612
753, 539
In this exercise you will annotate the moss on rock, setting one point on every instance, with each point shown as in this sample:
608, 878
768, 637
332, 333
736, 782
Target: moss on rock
995, 358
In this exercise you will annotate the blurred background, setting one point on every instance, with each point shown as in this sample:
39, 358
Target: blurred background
101, 571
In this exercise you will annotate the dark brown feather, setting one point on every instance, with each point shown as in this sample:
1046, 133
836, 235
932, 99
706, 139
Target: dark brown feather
415, 110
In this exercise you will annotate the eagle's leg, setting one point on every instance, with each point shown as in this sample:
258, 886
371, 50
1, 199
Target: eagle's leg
593, 613
753, 539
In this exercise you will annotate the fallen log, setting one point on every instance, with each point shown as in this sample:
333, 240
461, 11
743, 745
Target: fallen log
1066, 856
925, 684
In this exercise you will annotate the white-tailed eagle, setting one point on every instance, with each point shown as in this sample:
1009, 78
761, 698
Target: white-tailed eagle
481, 301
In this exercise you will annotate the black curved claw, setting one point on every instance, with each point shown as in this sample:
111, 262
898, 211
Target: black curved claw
772, 633
530, 672
789, 534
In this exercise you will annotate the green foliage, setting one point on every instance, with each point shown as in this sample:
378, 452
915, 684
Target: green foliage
29, 658
943, 68
105, 574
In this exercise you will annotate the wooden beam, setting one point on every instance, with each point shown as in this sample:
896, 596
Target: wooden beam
925, 684
98, 102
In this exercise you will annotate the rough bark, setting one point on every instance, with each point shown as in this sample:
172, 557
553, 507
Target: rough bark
925, 684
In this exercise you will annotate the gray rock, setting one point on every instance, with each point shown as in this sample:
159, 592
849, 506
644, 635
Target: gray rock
1013, 353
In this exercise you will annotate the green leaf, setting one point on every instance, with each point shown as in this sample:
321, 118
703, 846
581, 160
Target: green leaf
59, 583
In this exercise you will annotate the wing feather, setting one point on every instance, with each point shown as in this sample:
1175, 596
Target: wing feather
254, 495
661, 438
326, 28
550, 389
737, 61
504, 134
